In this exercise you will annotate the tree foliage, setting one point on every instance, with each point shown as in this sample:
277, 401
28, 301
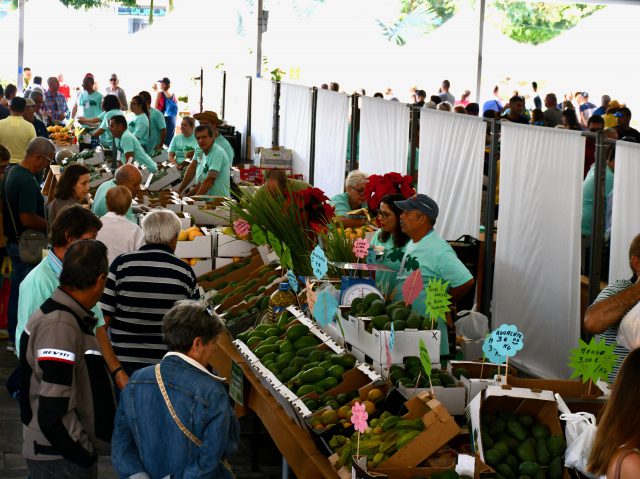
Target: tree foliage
536, 23
442, 10
88, 4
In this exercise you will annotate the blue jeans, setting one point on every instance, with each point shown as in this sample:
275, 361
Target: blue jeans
19, 272
171, 128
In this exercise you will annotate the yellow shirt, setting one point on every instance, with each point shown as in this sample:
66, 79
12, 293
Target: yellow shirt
15, 134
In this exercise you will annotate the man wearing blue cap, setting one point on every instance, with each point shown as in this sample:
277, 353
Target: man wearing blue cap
432, 254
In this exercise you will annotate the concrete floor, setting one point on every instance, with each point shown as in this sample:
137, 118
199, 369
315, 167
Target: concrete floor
12, 464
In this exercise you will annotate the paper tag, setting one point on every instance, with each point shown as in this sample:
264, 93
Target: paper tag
293, 281
593, 361
490, 351
437, 300
325, 307
507, 340
466, 465
236, 384
412, 287
360, 248
319, 262
392, 337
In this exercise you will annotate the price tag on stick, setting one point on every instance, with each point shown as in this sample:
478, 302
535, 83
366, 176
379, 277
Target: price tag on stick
437, 300
360, 248
319, 262
412, 287
325, 307
426, 363
293, 281
592, 361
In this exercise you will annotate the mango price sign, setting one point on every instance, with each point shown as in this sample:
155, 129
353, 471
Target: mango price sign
593, 361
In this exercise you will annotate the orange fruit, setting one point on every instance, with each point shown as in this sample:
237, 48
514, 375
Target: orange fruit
344, 412
375, 395
329, 417
369, 407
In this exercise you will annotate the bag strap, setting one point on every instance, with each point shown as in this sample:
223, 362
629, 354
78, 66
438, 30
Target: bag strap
621, 457
6, 197
175, 417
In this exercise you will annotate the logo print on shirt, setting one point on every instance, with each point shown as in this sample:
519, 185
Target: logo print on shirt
50, 354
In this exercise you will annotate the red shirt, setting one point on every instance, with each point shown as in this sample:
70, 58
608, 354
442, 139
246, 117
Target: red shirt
64, 89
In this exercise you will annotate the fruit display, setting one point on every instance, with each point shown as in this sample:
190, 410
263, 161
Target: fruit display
412, 375
227, 290
336, 409
207, 280
516, 445
361, 232
190, 234
383, 313
61, 135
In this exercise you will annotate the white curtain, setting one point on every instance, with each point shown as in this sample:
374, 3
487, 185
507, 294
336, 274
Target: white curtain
295, 124
332, 124
450, 169
235, 107
262, 96
384, 136
625, 216
537, 266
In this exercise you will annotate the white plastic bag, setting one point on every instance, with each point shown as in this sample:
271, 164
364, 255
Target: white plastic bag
580, 432
472, 324
629, 330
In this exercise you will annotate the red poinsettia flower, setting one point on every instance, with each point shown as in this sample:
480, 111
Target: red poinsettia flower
391, 183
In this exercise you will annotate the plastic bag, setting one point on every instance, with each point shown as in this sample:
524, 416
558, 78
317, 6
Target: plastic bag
580, 432
629, 330
472, 324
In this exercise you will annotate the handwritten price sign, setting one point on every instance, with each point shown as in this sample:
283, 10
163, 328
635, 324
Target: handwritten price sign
437, 300
507, 340
592, 361
242, 228
491, 352
293, 281
319, 262
360, 248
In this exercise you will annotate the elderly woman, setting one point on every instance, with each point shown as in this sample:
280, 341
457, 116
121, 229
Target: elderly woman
71, 189
175, 418
352, 199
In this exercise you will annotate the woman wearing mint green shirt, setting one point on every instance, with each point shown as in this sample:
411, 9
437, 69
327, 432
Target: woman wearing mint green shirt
389, 242
157, 126
183, 145
110, 108
139, 126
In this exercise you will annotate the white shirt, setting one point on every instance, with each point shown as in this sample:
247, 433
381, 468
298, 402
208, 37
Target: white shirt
119, 235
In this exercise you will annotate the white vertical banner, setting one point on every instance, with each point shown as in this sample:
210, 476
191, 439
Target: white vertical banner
625, 214
384, 136
295, 125
537, 267
450, 169
236, 104
262, 96
332, 125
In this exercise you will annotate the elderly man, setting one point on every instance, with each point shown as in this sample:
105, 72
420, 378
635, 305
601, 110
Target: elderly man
15, 131
128, 176
352, 199
67, 404
118, 233
55, 104
144, 425
74, 223
30, 115
128, 145
431, 254
604, 315
23, 206
211, 165
133, 310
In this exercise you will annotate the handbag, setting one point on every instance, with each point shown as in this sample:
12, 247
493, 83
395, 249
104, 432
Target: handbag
30, 242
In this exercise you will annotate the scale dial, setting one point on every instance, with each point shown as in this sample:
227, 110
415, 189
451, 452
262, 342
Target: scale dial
358, 290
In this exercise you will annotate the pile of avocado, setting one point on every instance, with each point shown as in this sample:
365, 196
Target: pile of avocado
519, 447
412, 375
234, 288
383, 314
222, 272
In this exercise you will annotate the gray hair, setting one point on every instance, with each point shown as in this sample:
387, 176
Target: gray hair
41, 146
185, 322
33, 94
160, 227
355, 178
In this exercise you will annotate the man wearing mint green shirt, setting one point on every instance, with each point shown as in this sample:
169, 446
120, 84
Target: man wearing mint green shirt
431, 254
128, 145
208, 117
89, 100
157, 125
128, 176
72, 224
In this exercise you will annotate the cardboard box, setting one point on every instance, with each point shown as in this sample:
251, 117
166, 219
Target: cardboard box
220, 216
229, 246
454, 399
254, 265
162, 157
185, 220
407, 343
202, 266
473, 387
479, 369
171, 176
481, 471
276, 157
222, 262
471, 349
201, 246
98, 179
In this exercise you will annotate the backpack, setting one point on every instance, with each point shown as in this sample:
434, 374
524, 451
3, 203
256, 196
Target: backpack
170, 106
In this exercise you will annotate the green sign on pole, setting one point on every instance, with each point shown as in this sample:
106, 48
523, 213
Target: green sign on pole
236, 385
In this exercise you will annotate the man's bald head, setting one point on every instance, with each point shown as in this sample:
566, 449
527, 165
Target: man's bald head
130, 177
40, 152
119, 200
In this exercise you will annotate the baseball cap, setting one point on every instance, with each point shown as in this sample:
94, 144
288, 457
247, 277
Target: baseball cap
422, 203
209, 116
165, 80
90, 75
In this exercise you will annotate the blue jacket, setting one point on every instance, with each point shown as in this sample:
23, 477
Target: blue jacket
147, 443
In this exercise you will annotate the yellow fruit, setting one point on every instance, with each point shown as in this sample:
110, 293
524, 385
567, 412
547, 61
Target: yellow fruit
186, 260
329, 417
375, 395
192, 233
344, 412
316, 420
183, 235
193, 261
369, 407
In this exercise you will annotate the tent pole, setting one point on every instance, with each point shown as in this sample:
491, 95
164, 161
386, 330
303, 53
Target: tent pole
259, 40
312, 137
20, 46
597, 228
483, 7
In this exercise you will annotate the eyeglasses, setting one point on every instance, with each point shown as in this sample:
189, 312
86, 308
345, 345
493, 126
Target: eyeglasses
50, 160
360, 191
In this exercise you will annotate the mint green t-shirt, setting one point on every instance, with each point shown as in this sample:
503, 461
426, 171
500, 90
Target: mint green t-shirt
588, 187
215, 160
156, 125
181, 144
392, 257
106, 139
91, 104
99, 205
223, 143
341, 203
436, 259
139, 126
130, 144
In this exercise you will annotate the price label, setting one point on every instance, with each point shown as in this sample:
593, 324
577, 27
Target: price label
236, 385
437, 299
360, 248
507, 340
242, 228
490, 351
592, 361
293, 281
319, 262
325, 307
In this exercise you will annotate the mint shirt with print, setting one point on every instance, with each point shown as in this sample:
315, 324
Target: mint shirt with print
215, 160
588, 188
181, 144
91, 104
99, 205
130, 144
156, 125
223, 143
436, 259
341, 204
106, 139
139, 126
392, 257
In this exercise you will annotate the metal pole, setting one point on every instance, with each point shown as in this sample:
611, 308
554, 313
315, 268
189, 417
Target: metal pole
20, 46
275, 138
490, 216
259, 41
355, 129
415, 119
595, 253
312, 137
480, 46
248, 152
201, 89
224, 93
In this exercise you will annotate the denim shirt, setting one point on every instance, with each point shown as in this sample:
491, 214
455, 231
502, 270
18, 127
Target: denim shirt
147, 443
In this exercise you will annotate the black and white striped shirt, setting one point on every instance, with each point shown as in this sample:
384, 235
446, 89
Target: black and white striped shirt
141, 287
